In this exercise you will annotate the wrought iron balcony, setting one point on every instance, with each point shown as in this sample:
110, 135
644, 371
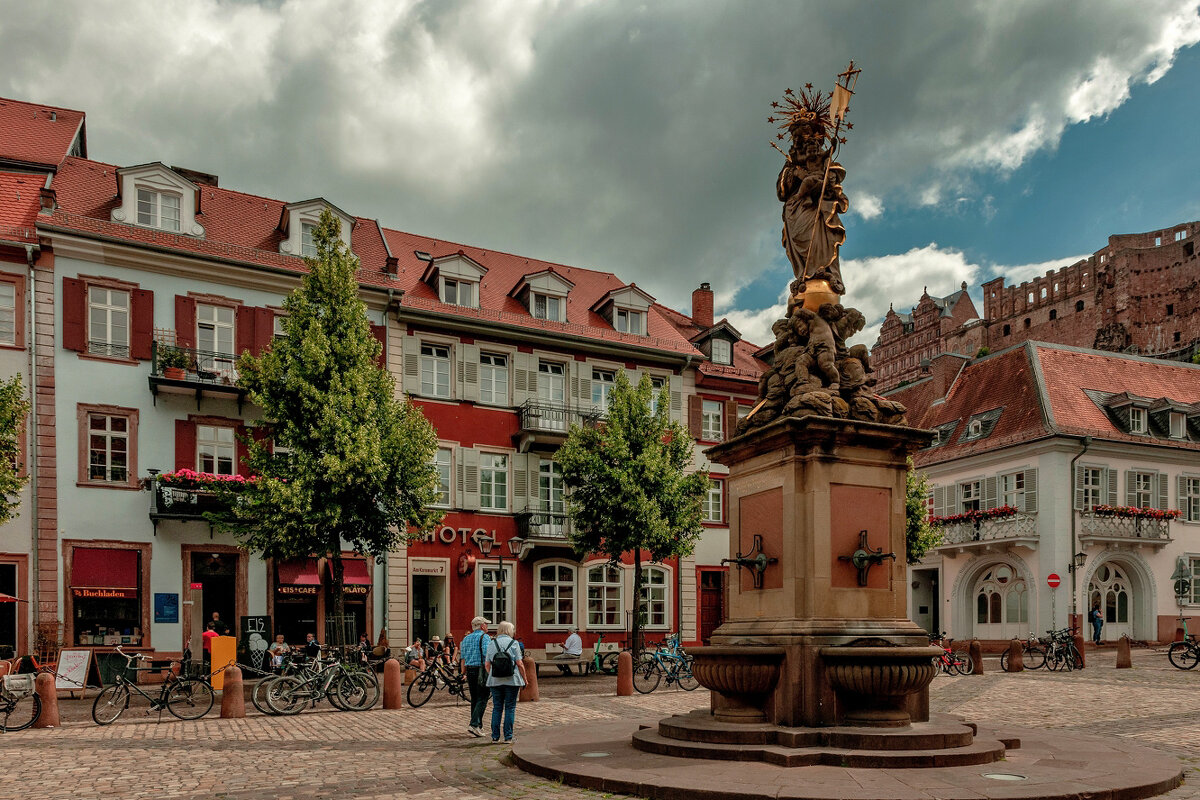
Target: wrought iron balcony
180, 502
544, 527
1124, 531
187, 370
989, 534
545, 425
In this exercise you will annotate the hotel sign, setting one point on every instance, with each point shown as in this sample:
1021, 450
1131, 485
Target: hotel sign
448, 535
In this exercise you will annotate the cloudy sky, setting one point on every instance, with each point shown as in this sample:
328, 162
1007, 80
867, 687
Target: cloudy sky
989, 137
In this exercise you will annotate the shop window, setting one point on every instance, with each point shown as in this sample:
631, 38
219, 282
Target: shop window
435, 370
297, 591
9, 633
556, 595
712, 509
216, 452
711, 419
106, 596
493, 379
108, 446
605, 594
652, 604
493, 481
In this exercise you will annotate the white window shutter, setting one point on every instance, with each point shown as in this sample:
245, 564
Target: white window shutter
1111, 499
1181, 493
520, 462
1130, 485
468, 378
520, 379
990, 492
1163, 500
412, 365
1078, 488
470, 479
1031, 489
939, 501
676, 387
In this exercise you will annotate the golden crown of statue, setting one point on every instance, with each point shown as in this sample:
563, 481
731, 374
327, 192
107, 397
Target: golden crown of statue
805, 114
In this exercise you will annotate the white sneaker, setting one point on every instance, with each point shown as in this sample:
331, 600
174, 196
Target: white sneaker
475, 731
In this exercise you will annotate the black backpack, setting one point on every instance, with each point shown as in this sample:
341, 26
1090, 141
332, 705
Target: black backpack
502, 663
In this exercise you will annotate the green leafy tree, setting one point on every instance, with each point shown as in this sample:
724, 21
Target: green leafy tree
919, 535
14, 408
352, 464
628, 488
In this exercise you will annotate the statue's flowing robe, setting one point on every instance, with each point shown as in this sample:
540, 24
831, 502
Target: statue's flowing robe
812, 235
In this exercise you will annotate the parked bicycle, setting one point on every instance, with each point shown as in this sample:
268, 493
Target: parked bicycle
186, 698
347, 685
1061, 653
668, 662
950, 662
1185, 654
1033, 654
436, 676
20, 705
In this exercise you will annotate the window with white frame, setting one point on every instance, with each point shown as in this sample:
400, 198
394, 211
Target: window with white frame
550, 487
308, 247
8, 312
712, 510
969, 498
556, 595
629, 321
435, 370
1178, 425
442, 461
1180, 235
214, 329
603, 381
657, 384
108, 321
493, 379
495, 593
493, 481
722, 351
711, 428
1137, 420
1091, 480
458, 293
1195, 564
652, 604
1143, 489
108, 448
216, 452
1012, 490
279, 327
158, 209
605, 593
547, 307
1189, 498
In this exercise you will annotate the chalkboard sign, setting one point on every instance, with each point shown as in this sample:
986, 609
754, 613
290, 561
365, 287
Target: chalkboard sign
254, 639
76, 671
166, 607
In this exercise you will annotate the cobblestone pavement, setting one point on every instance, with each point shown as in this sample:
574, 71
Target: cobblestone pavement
427, 753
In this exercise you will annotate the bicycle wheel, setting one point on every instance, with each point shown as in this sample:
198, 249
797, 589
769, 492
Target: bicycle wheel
190, 699
608, 663
20, 713
258, 696
288, 696
1183, 655
1004, 660
646, 676
420, 690
1076, 657
963, 664
1033, 658
110, 704
355, 692
687, 681
1068, 659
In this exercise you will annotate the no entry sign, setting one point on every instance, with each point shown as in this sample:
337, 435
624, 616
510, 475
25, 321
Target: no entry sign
1052, 580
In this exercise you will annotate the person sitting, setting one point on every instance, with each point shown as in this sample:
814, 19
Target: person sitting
572, 649
364, 647
436, 650
312, 648
414, 656
278, 650
451, 649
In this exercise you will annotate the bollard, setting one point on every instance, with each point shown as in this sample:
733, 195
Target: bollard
233, 699
1016, 661
393, 685
624, 674
44, 686
529, 692
1124, 659
1082, 655
975, 653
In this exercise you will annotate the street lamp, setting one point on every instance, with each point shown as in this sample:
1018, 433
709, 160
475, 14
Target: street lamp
485, 544
1077, 562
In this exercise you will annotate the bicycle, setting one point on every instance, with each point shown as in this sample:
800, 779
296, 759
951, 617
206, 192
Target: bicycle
347, 689
668, 661
1185, 654
1033, 654
950, 662
185, 698
603, 662
436, 675
20, 705
1061, 653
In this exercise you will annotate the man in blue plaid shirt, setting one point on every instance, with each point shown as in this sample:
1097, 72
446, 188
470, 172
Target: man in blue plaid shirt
473, 646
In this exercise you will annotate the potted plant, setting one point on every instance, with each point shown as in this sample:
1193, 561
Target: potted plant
173, 362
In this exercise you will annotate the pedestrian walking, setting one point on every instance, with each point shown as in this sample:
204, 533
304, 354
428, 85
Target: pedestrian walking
506, 676
1097, 619
474, 649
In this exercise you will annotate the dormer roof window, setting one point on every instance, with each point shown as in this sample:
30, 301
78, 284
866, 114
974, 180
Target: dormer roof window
455, 278
722, 351
627, 321
545, 306
1178, 423
1137, 420
308, 248
980, 426
717, 342
626, 308
155, 196
942, 433
297, 221
544, 294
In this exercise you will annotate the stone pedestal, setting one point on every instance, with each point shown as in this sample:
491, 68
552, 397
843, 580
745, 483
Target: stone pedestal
810, 487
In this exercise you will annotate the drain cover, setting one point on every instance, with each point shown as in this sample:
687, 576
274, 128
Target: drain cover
597, 754
1003, 776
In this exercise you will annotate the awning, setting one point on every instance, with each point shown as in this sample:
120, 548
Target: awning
299, 572
8, 598
101, 572
354, 572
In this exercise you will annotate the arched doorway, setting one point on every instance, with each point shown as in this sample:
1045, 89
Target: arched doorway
1000, 603
1111, 588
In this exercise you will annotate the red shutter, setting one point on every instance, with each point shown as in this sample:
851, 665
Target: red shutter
380, 333
264, 329
695, 404
185, 321
141, 323
730, 418
243, 334
243, 452
74, 315
185, 444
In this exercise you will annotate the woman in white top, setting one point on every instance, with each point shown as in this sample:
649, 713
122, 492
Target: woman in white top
504, 689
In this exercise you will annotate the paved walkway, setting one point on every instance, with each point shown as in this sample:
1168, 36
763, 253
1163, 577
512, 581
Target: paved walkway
426, 752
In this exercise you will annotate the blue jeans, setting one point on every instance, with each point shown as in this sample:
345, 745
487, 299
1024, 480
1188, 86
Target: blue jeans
1096, 626
504, 700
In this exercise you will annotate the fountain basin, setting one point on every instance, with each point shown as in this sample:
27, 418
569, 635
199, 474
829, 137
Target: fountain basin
873, 683
743, 676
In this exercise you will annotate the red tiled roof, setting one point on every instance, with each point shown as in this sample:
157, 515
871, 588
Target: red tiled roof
36, 134
19, 205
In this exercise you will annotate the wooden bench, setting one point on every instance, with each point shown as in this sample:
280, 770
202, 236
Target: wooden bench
546, 657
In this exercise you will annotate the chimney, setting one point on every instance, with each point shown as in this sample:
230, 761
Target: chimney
702, 306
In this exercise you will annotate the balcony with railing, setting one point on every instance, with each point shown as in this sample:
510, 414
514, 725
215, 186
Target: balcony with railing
999, 533
189, 371
544, 425
544, 527
1123, 531
181, 500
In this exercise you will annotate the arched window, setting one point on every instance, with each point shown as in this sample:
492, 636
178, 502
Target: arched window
1001, 603
1110, 588
556, 595
653, 601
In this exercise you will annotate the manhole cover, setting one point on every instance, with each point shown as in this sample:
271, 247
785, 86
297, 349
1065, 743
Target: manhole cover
598, 754
1003, 776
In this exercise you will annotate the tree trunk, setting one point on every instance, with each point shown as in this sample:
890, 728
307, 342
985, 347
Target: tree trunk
637, 603
337, 574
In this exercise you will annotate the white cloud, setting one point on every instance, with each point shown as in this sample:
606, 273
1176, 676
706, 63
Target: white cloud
1016, 275
867, 206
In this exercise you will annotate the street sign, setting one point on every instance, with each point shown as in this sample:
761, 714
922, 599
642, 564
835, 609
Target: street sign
1052, 580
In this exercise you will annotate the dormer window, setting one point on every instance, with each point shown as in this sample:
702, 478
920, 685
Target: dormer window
627, 321
157, 209
625, 308
547, 307
722, 352
1137, 420
975, 428
297, 221
308, 248
458, 293
1178, 425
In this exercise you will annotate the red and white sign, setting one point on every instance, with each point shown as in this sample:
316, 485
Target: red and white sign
1052, 580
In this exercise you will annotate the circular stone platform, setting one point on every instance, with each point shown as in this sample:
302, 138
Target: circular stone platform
1044, 764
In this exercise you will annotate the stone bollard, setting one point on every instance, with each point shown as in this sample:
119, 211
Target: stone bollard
393, 685
624, 674
233, 698
975, 653
1016, 661
529, 692
1082, 655
49, 694
1124, 658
